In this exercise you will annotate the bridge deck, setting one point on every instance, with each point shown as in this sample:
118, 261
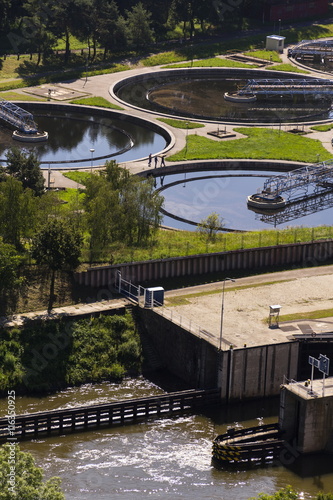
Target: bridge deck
13, 114
290, 87
321, 48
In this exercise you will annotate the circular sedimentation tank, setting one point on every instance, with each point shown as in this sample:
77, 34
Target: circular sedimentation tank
73, 131
199, 93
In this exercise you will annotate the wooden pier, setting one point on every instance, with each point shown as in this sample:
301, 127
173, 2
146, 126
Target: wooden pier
56, 422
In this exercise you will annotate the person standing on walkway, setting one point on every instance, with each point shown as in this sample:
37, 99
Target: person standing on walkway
149, 160
156, 160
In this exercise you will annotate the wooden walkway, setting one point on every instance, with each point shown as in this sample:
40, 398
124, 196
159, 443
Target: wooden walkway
56, 422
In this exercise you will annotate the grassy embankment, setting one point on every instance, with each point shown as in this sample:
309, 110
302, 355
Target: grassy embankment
105, 348
241, 44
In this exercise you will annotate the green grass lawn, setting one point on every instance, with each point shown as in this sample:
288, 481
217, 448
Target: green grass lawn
181, 123
71, 197
320, 313
168, 244
322, 128
260, 143
288, 67
96, 101
15, 96
9, 68
211, 63
267, 55
78, 176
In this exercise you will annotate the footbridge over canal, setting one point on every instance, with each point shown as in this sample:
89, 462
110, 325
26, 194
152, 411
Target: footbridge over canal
18, 117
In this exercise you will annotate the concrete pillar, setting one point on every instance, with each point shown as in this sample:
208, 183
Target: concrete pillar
306, 416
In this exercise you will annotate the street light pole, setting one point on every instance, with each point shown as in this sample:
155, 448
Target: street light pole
92, 158
222, 310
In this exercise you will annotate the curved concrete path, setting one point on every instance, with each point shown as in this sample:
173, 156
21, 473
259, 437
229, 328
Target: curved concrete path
100, 86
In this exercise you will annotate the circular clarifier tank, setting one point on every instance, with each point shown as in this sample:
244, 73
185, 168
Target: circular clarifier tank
190, 196
73, 131
200, 93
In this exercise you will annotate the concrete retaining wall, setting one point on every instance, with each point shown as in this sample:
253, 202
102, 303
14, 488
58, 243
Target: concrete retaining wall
255, 372
299, 254
241, 374
182, 353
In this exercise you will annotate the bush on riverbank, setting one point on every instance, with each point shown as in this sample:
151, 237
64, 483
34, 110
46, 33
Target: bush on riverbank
48, 356
288, 493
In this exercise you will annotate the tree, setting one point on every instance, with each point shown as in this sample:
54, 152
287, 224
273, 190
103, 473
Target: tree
62, 15
20, 478
140, 33
112, 32
120, 207
24, 166
58, 246
210, 226
141, 211
10, 280
35, 27
103, 214
17, 211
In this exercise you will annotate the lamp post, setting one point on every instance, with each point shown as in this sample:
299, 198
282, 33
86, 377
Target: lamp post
92, 158
279, 26
222, 310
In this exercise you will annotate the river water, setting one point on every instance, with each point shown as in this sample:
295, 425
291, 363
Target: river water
165, 458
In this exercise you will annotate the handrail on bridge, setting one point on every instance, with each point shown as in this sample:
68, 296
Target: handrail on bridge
20, 118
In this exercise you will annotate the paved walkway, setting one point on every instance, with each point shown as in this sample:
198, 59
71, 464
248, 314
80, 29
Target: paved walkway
101, 85
74, 311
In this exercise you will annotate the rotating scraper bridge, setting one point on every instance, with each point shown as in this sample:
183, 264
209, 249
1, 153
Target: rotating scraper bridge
306, 190
289, 87
18, 117
320, 50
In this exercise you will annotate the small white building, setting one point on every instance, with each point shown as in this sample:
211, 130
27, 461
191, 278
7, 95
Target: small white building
275, 42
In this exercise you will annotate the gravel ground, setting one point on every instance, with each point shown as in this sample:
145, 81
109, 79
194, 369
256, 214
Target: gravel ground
246, 310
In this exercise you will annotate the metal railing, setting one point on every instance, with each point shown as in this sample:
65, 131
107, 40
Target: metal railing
184, 322
138, 294
17, 116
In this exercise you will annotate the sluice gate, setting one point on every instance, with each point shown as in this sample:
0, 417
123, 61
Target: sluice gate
18, 117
